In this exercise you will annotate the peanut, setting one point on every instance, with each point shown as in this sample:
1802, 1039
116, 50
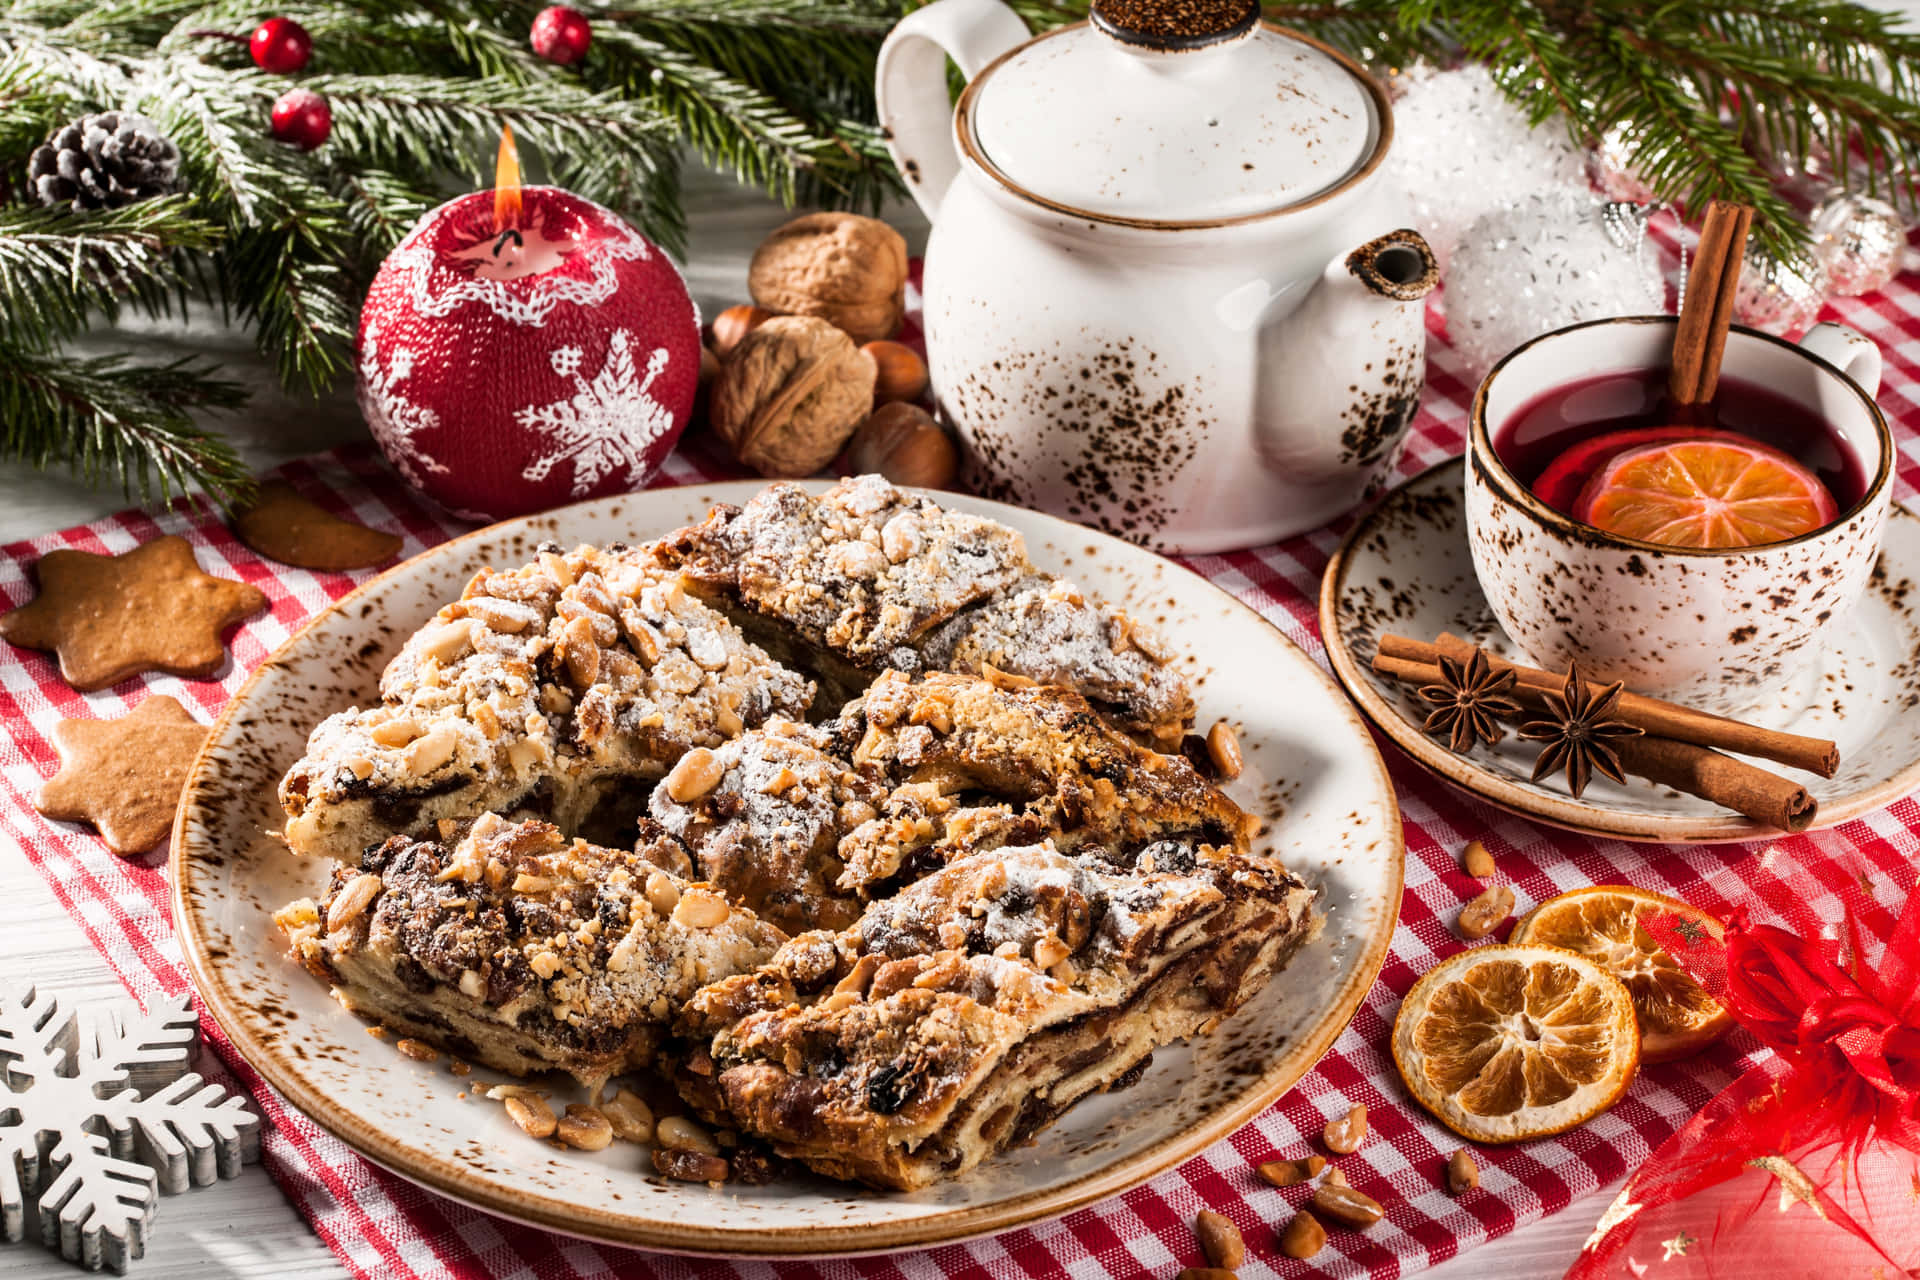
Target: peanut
630, 1116
1223, 748
445, 643
532, 1114
394, 733
1476, 861
1304, 1237
1344, 1135
677, 1133
701, 911
1050, 951
418, 1050
1486, 912
662, 893
1291, 1173
1353, 1209
424, 755
696, 773
351, 901
580, 653
1220, 1240
1462, 1173
584, 1128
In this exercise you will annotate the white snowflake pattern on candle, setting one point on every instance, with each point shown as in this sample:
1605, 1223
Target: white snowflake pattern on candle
395, 420
608, 423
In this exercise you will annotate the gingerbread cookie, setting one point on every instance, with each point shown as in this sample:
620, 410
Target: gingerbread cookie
124, 776
149, 609
282, 525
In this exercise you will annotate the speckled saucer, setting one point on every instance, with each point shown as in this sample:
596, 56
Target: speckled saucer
1405, 569
1311, 767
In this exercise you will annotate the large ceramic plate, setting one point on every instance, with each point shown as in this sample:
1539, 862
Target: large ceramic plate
1310, 765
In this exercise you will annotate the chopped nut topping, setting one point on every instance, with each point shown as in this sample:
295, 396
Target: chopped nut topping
532, 1114
584, 1127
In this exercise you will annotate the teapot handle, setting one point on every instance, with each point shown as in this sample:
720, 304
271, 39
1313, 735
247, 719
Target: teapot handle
910, 85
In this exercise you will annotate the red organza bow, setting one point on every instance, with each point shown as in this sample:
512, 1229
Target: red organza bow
1845, 1075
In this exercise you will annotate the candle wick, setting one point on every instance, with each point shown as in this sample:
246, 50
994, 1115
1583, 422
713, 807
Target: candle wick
501, 243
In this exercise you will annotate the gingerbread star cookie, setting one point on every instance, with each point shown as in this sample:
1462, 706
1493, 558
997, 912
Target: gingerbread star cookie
282, 525
124, 776
149, 609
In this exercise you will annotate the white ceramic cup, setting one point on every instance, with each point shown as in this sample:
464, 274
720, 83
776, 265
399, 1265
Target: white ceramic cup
1717, 629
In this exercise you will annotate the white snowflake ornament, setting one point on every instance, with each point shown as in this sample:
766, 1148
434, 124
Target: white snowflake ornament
609, 423
98, 1115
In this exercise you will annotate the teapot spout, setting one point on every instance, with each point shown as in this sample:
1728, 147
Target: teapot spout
1398, 266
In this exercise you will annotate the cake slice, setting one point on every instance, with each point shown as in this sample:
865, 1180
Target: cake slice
542, 691
869, 577
524, 951
965, 1013
804, 824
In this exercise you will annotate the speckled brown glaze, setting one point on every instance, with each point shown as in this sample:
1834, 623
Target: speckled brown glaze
1405, 569
1719, 630
1307, 753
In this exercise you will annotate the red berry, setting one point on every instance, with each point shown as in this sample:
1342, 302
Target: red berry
280, 45
303, 118
561, 35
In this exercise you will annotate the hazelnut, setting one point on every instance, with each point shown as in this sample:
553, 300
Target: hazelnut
734, 324
790, 394
901, 373
848, 270
904, 444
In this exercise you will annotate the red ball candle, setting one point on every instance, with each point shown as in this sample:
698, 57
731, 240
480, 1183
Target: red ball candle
511, 360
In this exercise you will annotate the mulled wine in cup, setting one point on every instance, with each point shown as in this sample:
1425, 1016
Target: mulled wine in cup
1698, 556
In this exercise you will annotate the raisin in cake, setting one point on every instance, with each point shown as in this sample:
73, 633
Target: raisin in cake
867, 577
540, 691
963, 1014
522, 950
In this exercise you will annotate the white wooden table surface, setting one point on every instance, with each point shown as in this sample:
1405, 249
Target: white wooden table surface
245, 1228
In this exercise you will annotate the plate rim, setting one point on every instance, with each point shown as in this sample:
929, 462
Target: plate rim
1499, 791
447, 1177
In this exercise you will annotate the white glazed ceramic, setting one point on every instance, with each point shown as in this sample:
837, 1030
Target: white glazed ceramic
1405, 569
1718, 630
1311, 768
1167, 291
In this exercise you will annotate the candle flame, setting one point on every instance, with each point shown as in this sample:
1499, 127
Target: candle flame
506, 183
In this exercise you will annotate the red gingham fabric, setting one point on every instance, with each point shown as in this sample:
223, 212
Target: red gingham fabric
381, 1226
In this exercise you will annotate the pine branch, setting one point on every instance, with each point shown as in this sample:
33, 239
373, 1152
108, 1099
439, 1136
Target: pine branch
107, 418
59, 271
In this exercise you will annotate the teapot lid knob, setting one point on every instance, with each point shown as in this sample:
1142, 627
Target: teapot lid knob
1175, 24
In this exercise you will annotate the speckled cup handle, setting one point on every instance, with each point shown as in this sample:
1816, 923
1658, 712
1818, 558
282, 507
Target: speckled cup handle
1849, 351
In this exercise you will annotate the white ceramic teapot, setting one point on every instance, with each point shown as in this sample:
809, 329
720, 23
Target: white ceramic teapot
1168, 292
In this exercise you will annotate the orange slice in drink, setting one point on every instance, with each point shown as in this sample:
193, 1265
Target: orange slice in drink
1677, 1019
1509, 1042
1705, 492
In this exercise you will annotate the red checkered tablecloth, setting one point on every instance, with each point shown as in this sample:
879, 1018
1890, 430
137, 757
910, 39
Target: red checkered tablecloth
381, 1226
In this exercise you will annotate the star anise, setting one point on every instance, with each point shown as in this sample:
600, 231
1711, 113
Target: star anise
1577, 736
1466, 701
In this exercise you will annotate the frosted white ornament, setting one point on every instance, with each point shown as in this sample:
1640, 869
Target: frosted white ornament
1550, 261
1613, 168
1461, 150
106, 1095
1860, 241
1779, 297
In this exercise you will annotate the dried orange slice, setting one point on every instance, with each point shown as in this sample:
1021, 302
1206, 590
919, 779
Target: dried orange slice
1510, 1042
1714, 492
1602, 923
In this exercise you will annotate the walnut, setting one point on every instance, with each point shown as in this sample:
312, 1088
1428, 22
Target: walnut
790, 394
848, 270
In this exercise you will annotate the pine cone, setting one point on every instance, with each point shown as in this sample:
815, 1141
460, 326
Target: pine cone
102, 162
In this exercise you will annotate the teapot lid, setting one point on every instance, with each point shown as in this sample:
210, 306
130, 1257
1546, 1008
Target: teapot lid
1173, 111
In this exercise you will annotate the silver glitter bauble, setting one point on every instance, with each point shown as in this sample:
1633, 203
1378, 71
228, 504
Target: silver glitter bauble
1549, 261
1860, 242
1778, 297
1462, 149
1613, 170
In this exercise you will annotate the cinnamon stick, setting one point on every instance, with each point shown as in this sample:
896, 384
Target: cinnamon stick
1655, 716
1700, 338
1685, 766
